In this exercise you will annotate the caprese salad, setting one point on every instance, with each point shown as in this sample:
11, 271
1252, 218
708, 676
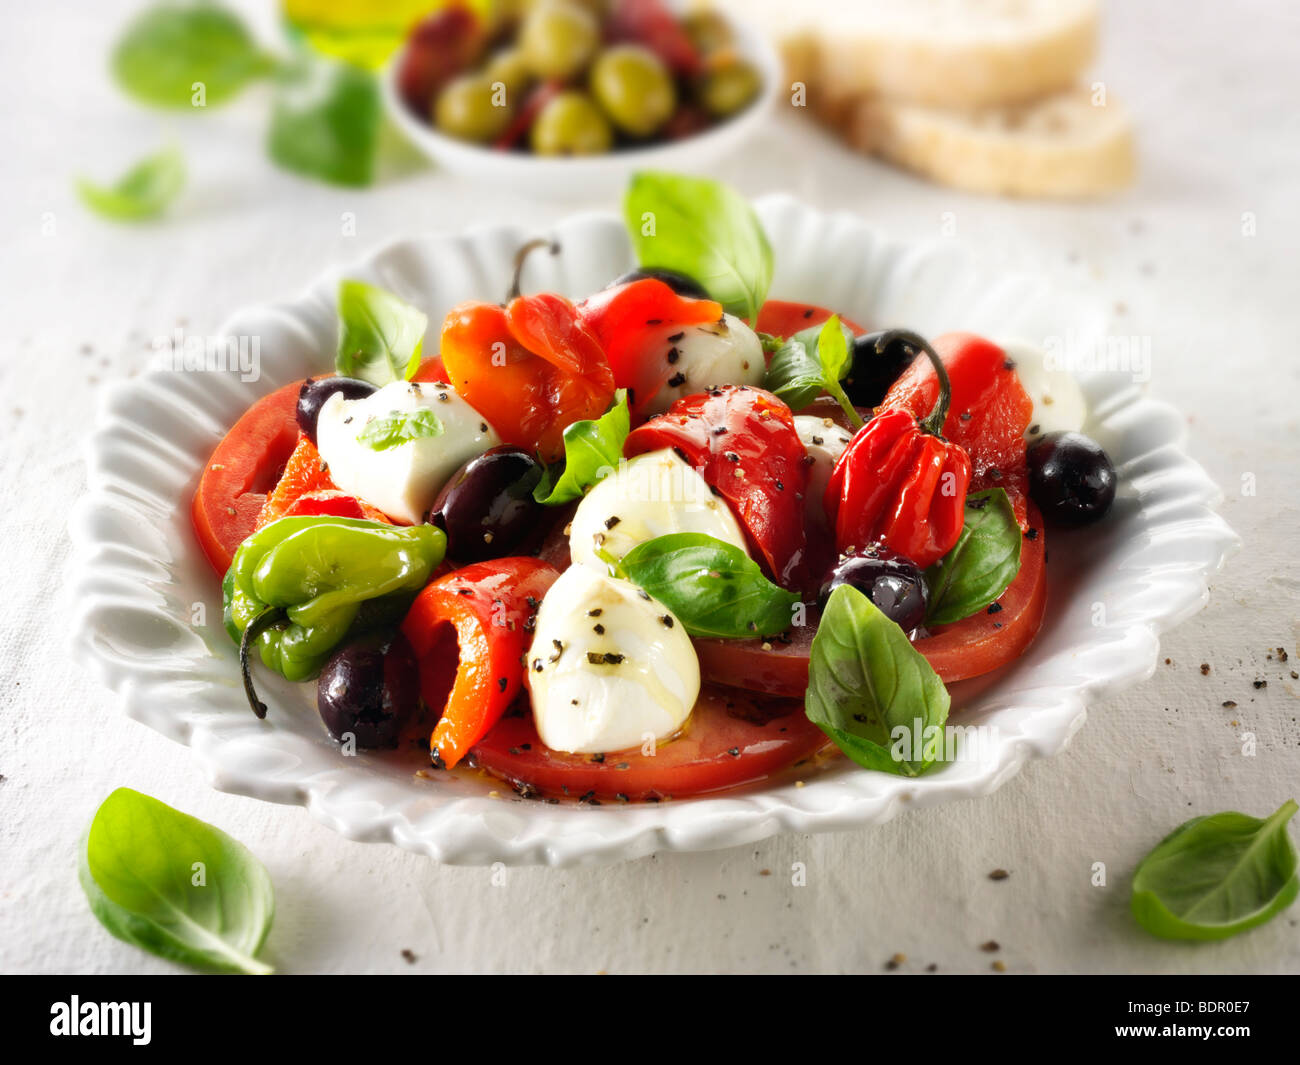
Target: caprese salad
672, 538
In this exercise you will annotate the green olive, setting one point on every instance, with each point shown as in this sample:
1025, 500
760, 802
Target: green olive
708, 31
510, 68
571, 124
729, 88
470, 109
558, 39
634, 87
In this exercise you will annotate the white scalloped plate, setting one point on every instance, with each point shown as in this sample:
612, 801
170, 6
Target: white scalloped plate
137, 572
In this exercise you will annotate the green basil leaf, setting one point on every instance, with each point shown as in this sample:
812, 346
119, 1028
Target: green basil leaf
326, 121
591, 452
981, 565
712, 586
1216, 876
380, 335
144, 191
812, 362
871, 691
705, 230
187, 55
175, 886
398, 428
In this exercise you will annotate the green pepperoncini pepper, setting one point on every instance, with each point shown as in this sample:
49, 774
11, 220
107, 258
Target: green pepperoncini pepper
300, 583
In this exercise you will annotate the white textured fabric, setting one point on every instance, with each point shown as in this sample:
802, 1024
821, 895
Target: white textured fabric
84, 299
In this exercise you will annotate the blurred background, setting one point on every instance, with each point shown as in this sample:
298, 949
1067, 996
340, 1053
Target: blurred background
1143, 155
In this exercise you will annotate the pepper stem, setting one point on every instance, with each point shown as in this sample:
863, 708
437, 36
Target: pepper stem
256, 627
932, 423
553, 246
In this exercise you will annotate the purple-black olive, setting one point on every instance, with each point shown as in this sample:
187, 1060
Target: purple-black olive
872, 372
1070, 478
369, 688
895, 584
487, 508
316, 390
679, 283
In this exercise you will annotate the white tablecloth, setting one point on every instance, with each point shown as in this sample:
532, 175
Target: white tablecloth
1214, 90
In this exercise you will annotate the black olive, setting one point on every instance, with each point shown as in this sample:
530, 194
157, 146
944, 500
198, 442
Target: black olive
679, 283
369, 688
1070, 478
316, 390
872, 372
487, 508
895, 584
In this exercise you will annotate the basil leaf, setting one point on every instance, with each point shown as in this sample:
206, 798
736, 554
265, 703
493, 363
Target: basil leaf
325, 121
812, 362
705, 230
400, 427
591, 452
713, 587
380, 335
866, 682
171, 53
1216, 876
144, 191
175, 886
981, 565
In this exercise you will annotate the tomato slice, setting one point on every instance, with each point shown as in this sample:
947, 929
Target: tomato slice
245, 466
731, 738
781, 318
968, 648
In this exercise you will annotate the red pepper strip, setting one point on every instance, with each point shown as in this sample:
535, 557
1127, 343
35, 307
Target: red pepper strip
538, 97
987, 416
491, 608
530, 369
653, 24
744, 443
632, 323
899, 485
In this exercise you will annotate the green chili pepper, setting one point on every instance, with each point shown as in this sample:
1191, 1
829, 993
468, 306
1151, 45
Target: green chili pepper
296, 587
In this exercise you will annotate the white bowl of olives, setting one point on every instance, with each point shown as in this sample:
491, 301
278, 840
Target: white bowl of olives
564, 97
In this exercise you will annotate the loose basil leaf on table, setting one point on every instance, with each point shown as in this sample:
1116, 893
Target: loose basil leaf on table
400, 427
175, 886
713, 587
866, 681
592, 450
187, 55
1216, 876
380, 335
705, 230
981, 565
144, 191
326, 121
812, 362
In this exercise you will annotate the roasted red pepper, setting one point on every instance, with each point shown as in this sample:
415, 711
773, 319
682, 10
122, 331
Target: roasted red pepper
987, 415
632, 323
530, 368
470, 631
900, 483
744, 443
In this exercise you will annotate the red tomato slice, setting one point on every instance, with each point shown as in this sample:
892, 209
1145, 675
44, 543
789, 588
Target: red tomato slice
241, 471
965, 649
731, 738
783, 319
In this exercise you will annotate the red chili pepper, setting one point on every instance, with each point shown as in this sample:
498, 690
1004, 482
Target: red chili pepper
744, 443
987, 414
470, 631
900, 483
632, 323
530, 368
